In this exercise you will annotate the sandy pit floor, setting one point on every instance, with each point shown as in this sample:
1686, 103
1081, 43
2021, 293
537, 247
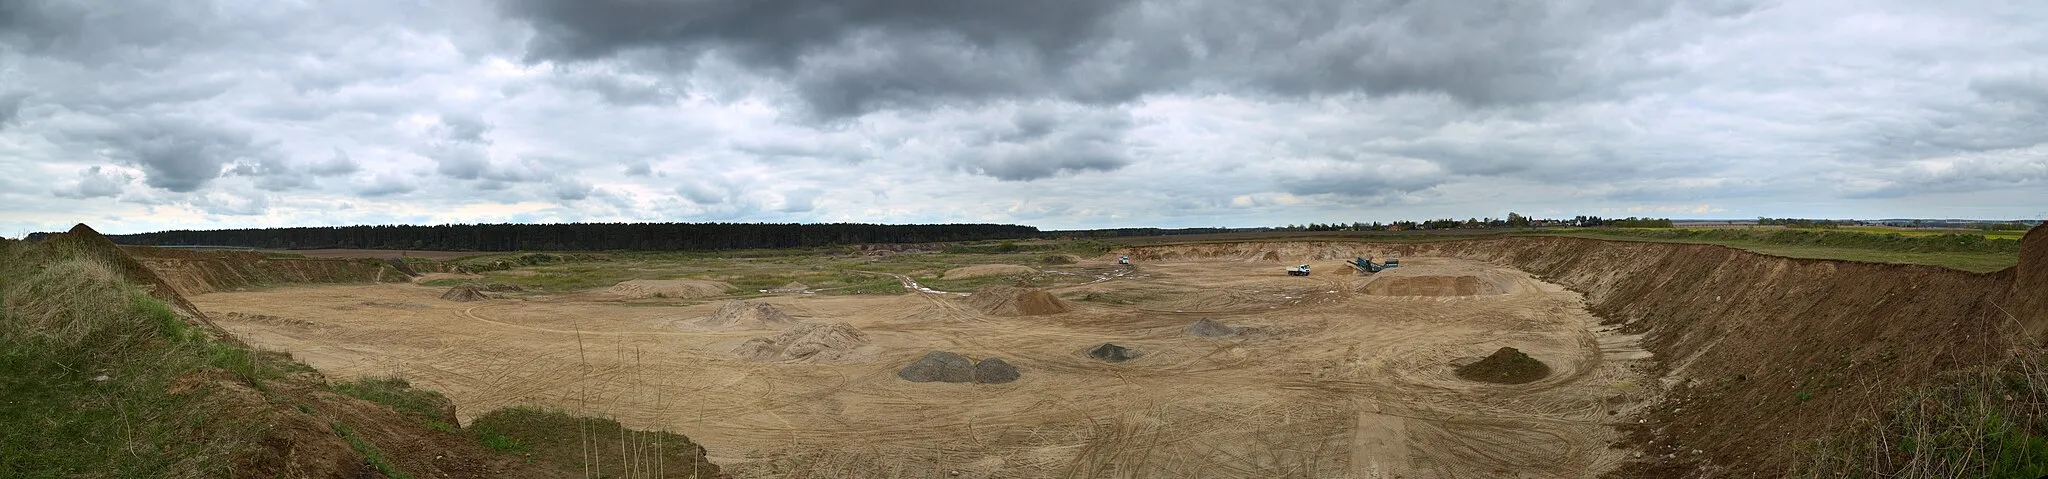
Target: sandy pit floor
1334, 382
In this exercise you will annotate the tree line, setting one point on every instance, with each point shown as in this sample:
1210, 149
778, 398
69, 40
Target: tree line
581, 236
1514, 220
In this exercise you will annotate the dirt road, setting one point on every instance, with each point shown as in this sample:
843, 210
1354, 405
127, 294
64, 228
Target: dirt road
1334, 382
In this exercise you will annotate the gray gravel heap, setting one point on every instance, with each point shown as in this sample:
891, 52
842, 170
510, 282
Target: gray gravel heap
1112, 353
939, 366
1209, 328
994, 371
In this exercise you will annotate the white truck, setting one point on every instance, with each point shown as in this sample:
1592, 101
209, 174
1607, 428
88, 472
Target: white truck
1298, 271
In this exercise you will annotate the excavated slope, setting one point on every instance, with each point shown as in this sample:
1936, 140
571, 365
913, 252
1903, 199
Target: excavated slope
200, 272
1742, 332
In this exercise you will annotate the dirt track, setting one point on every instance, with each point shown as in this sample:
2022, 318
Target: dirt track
1335, 382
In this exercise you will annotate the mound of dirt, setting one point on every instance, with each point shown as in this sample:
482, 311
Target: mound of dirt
939, 366
1015, 301
1112, 353
1505, 366
994, 371
813, 343
792, 287
671, 288
1209, 328
1435, 285
982, 270
464, 293
502, 287
736, 315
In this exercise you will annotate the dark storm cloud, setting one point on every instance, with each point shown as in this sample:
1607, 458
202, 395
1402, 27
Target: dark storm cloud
703, 193
850, 58
639, 168
1039, 142
176, 154
339, 164
96, 182
10, 107
2025, 89
464, 128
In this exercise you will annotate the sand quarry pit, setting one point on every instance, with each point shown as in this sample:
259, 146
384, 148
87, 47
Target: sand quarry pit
1341, 383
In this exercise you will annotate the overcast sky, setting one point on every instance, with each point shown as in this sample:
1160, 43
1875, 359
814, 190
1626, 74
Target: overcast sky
142, 116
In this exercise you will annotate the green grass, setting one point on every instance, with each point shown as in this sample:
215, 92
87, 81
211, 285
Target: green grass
1988, 422
422, 404
369, 451
575, 442
1993, 234
87, 372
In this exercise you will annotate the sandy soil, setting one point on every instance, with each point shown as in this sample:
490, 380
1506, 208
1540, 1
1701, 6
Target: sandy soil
377, 253
982, 270
1337, 383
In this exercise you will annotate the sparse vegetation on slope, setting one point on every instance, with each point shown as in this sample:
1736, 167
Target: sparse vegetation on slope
106, 371
595, 447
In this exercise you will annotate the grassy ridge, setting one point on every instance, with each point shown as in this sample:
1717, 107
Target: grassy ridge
1968, 252
92, 375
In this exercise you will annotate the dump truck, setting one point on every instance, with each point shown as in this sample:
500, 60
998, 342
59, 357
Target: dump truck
1298, 271
1365, 265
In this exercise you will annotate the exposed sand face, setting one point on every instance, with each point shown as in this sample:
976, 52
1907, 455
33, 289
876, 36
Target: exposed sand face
1337, 383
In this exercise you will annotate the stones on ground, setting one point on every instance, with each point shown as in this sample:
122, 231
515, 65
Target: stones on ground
994, 371
464, 293
947, 367
1505, 366
747, 315
1112, 353
939, 366
1015, 301
831, 343
1209, 328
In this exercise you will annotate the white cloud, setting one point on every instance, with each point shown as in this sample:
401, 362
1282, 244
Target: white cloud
1069, 114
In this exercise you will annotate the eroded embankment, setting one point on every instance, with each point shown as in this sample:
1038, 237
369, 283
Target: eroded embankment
199, 272
1759, 352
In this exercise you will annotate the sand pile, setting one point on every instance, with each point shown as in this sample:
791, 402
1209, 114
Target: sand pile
942, 366
745, 315
1015, 301
1396, 282
982, 270
1209, 328
792, 287
671, 288
1112, 353
1506, 366
833, 343
464, 293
